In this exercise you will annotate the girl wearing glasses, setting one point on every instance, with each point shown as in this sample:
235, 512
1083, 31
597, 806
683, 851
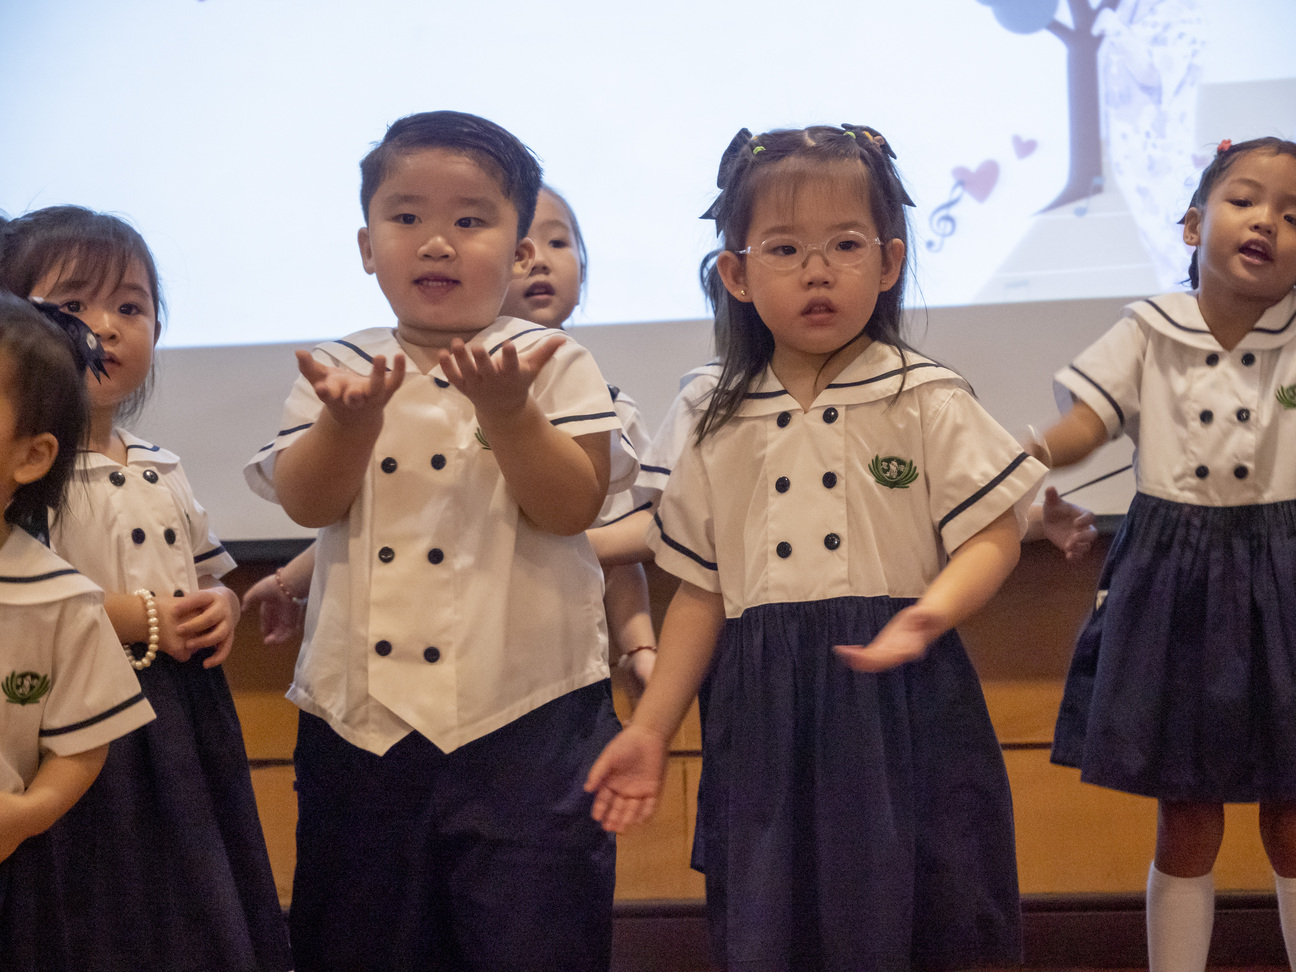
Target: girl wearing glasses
843, 504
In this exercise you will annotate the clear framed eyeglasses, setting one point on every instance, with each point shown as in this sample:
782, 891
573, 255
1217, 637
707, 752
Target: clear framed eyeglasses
845, 249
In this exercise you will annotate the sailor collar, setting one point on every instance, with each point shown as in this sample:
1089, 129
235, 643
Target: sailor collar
137, 451
1178, 317
358, 353
878, 373
30, 574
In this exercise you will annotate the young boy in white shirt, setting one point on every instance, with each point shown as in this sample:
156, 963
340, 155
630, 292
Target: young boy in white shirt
453, 678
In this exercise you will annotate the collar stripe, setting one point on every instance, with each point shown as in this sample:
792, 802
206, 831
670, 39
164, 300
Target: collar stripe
35, 578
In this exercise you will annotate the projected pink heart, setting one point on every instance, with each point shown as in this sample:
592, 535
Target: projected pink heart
1024, 146
981, 183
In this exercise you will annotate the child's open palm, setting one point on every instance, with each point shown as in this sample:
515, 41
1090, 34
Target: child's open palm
351, 397
626, 779
497, 385
903, 639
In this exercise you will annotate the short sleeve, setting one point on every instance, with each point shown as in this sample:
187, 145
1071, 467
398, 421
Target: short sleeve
211, 559
678, 426
1107, 376
637, 496
682, 535
300, 412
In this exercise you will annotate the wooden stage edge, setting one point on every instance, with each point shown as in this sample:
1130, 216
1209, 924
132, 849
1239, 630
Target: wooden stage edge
1059, 931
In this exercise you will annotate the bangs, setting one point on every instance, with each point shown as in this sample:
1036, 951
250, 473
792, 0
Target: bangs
782, 182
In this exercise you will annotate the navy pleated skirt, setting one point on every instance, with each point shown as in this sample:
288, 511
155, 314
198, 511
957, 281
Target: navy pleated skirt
162, 865
1183, 683
852, 821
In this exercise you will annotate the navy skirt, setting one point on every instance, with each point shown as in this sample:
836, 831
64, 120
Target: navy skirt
1183, 683
162, 865
852, 821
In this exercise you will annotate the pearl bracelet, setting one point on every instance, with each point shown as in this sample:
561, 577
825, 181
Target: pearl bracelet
151, 646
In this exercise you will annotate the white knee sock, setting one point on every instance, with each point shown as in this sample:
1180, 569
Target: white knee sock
1287, 915
1180, 916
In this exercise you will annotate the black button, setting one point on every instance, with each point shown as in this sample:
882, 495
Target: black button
150, 475
1202, 472
386, 554
829, 480
830, 416
389, 465
1207, 416
117, 477
436, 555
783, 419
383, 648
137, 535
832, 541
782, 484
1248, 359
438, 461
432, 655
1243, 414
784, 550
179, 593
1212, 359
168, 535
1240, 472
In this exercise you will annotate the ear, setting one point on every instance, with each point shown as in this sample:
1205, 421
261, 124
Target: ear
733, 274
366, 251
35, 455
893, 254
1192, 227
523, 257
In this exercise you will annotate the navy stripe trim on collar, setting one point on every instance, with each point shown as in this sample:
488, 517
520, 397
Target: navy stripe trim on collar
94, 720
35, 578
1021, 457
883, 377
1160, 310
679, 547
637, 509
654, 469
146, 448
214, 552
581, 418
347, 344
768, 394
1120, 416
530, 330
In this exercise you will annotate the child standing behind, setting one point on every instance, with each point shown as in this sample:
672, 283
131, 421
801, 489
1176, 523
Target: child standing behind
453, 680
840, 491
1182, 681
162, 865
68, 689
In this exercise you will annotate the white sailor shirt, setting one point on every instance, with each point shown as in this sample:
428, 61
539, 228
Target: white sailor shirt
137, 526
679, 426
861, 495
67, 684
639, 495
1210, 427
435, 605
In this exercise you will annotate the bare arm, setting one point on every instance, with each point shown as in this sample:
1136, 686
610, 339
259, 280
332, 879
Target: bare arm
625, 599
59, 782
558, 481
319, 476
975, 571
1071, 439
623, 542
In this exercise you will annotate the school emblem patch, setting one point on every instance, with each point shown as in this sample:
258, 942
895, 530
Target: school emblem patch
25, 688
893, 472
482, 439
1286, 395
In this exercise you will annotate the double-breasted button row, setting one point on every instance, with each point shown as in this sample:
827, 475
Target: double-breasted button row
1240, 471
430, 655
118, 478
386, 555
1248, 359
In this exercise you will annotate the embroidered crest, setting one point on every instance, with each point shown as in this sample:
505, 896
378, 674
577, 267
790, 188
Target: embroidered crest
482, 439
25, 688
1286, 395
893, 472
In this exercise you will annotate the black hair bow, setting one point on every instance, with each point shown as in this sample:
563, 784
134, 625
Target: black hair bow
85, 343
728, 161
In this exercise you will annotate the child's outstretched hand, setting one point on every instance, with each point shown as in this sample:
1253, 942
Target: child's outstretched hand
497, 385
281, 615
904, 639
626, 779
1068, 527
350, 397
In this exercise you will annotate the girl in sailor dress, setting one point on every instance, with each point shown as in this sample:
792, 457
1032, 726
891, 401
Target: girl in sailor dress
163, 863
843, 503
1183, 683
68, 690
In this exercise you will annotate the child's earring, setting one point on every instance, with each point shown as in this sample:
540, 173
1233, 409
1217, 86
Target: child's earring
742, 293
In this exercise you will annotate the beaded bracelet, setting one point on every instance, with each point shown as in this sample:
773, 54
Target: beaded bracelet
287, 592
151, 646
625, 658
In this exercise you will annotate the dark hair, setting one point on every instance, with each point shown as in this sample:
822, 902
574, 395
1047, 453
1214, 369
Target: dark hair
785, 159
45, 385
495, 149
1225, 156
100, 246
582, 255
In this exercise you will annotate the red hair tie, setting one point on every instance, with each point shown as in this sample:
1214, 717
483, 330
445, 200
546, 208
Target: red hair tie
1224, 146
